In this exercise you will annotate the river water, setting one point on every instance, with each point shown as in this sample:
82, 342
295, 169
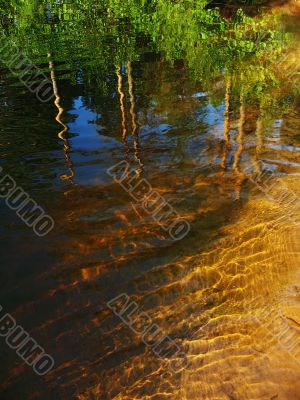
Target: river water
227, 293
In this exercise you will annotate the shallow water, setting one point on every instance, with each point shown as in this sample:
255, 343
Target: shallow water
227, 293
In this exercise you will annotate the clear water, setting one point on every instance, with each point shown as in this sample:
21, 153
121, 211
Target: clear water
228, 292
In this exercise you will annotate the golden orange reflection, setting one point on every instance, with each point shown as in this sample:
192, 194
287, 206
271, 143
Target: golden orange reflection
122, 108
62, 133
259, 133
240, 148
134, 119
226, 121
230, 306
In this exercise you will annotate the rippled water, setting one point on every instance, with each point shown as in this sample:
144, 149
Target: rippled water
228, 292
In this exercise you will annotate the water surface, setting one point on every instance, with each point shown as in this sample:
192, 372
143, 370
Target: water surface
198, 122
